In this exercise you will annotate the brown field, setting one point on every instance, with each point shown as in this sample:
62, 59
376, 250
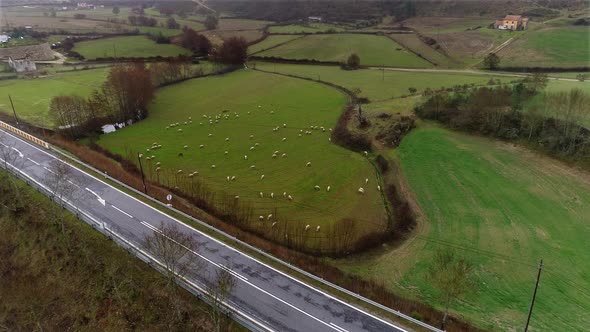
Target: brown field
413, 43
60, 23
217, 36
241, 24
446, 24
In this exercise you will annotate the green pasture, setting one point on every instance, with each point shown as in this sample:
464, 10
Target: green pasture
156, 31
255, 103
31, 97
307, 28
502, 208
128, 46
271, 41
553, 47
373, 50
413, 43
378, 84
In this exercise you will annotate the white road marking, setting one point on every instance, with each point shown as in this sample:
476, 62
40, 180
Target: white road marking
20, 154
213, 239
34, 162
338, 327
155, 229
102, 201
123, 212
73, 184
48, 170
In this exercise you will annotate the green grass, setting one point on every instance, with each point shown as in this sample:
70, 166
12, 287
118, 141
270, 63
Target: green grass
308, 28
271, 41
503, 208
31, 97
126, 47
373, 50
376, 84
554, 47
241, 93
159, 30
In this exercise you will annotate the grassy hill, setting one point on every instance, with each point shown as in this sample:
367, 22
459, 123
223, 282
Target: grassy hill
503, 208
126, 47
373, 50
235, 117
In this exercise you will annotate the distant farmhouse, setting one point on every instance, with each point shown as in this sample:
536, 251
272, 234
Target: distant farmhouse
314, 19
512, 22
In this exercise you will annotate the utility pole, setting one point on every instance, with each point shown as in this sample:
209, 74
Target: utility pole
383, 72
526, 327
139, 155
13, 111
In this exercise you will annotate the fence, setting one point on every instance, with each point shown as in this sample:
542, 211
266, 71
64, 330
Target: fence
24, 134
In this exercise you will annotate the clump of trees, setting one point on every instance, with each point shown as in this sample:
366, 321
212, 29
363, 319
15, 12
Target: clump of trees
197, 43
142, 21
233, 51
491, 61
172, 24
211, 22
557, 123
353, 61
123, 97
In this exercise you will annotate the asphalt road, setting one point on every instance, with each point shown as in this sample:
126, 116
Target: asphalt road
275, 300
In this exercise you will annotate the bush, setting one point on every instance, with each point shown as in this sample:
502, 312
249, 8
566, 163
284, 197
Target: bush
353, 61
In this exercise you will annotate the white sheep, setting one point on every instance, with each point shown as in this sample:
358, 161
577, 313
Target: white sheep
284, 139
269, 217
284, 125
158, 169
366, 153
158, 163
317, 229
237, 197
227, 139
190, 117
225, 152
317, 188
228, 178
185, 147
251, 136
201, 146
185, 123
210, 135
259, 106
179, 171
273, 224
328, 189
307, 227
191, 175
261, 218
251, 148
290, 197
152, 157
283, 155
252, 166
366, 180
147, 150
308, 164
379, 188
329, 139
299, 135
261, 195
256, 144
361, 190
233, 178
262, 177
245, 157
272, 195
212, 166
274, 155
284, 194
180, 130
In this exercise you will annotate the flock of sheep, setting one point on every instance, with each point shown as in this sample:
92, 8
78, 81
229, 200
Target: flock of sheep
212, 120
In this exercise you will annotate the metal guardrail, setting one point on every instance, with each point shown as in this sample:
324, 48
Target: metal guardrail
255, 249
134, 249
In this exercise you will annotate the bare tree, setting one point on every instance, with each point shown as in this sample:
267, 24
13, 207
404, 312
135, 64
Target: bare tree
177, 251
219, 291
11, 160
60, 182
452, 276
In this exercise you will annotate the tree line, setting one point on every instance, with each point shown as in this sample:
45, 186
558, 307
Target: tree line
556, 122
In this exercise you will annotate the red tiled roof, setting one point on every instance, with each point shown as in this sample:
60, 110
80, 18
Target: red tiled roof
512, 17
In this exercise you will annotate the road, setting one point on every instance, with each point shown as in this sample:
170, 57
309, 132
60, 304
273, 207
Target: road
275, 300
469, 71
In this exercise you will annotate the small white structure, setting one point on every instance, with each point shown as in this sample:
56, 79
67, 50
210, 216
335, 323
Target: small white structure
22, 65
